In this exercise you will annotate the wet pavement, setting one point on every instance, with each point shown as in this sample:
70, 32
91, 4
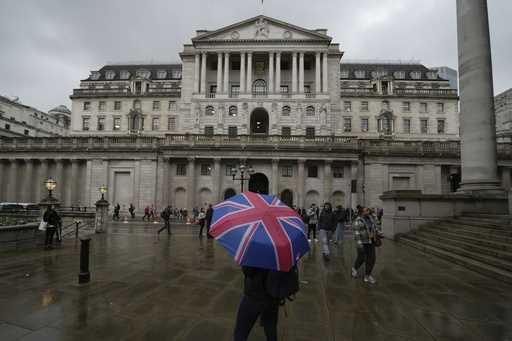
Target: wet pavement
183, 288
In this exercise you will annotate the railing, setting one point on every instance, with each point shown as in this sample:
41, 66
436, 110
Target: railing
347, 92
211, 95
123, 92
310, 95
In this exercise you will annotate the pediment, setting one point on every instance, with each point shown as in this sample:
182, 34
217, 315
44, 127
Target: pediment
261, 28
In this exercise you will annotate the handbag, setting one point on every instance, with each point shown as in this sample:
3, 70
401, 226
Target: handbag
42, 225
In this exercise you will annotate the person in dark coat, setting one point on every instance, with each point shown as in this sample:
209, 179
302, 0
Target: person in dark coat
53, 221
256, 302
117, 209
166, 217
326, 225
209, 216
132, 211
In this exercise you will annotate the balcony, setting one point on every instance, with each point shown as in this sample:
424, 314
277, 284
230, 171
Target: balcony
421, 93
126, 92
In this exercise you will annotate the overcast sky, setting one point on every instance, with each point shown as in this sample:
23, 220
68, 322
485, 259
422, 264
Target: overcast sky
47, 46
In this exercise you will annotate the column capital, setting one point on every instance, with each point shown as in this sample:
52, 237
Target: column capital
328, 161
204, 53
275, 161
191, 159
278, 53
294, 54
217, 159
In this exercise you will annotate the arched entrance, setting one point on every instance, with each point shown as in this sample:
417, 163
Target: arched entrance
259, 122
287, 197
258, 183
230, 192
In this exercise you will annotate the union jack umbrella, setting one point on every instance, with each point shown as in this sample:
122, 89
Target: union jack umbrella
259, 231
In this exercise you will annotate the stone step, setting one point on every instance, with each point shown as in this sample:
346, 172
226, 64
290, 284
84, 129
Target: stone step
480, 223
477, 266
499, 263
482, 230
500, 243
498, 217
472, 231
472, 246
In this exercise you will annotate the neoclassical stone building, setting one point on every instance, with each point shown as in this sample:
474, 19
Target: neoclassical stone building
260, 92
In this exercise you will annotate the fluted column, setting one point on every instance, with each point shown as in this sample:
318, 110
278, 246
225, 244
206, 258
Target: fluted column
59, 177
12, 181
300, 182
278, 73
325, 74
42, 176
242, 72
196, 73
275, 176
327, 180
203, 73
191, 184
226, 73
294, 72
477, 120
219, 72
72, 186
271, 73
249, 72
216, 176
318, 82
28, 176
301, 73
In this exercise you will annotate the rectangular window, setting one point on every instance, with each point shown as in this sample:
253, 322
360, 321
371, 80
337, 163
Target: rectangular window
423, 108
310, 132
347, 124
171, 123
286, 131
85, 123
117, 123
206, 169
181, 169
407, 125
401, 183
284, 89
172, 105
307, 89
156, 105
155, 123
87, 106
365, 106
233, 131
287, 171
364, 125
208, 130
101, 123
424, 126
312, 172
347, 106
117, 105
235, 90
7, 126
406, 106
228, 169
338, 172
441, 127
440, 108
26, 132
213, 89
235, 65
102, 106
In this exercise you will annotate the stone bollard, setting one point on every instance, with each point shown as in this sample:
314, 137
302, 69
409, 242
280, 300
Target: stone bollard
84, 276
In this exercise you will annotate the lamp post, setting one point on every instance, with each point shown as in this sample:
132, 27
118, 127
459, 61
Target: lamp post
103, 190
100, 224
245, 174
50, 185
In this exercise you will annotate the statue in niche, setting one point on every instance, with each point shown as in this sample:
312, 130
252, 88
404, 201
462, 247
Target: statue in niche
262, 30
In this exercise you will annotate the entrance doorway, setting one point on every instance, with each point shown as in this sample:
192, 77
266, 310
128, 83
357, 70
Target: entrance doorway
259, 122
230, 192
287, 197
258, 183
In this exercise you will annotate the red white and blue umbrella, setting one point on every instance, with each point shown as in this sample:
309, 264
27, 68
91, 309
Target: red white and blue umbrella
259, 231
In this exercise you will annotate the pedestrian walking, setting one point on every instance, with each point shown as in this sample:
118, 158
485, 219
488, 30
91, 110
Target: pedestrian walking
146, 213
341, 217
312, 217
166, 217
201, 216
209, 216
326, 225
54, 222
367, 237
117, 209
152, 212
131, 209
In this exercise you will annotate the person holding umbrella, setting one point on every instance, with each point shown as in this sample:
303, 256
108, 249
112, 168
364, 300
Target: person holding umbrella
267, 239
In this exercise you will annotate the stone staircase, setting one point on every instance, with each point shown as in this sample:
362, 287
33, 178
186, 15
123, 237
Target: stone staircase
481, 242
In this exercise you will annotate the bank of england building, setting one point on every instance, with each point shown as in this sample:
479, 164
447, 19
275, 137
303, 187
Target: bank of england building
263, 93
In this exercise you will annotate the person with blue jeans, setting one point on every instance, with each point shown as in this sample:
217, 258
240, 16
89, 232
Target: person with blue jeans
340, 215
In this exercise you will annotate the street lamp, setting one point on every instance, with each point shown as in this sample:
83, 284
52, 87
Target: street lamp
245, 174
50, 186
103, 190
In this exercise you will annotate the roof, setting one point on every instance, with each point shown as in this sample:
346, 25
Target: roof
61, 109
389, 67
17, 103
132, 68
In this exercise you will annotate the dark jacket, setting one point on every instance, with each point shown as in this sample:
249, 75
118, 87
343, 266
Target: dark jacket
52, 218
340, 215
209, 215
327, 220
255, 285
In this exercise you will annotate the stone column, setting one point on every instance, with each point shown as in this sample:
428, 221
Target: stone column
278, 73
249, 72
318, 81
73, 188
3, 177
300, 182
325, 74
242, 72
301, 73
28, 186
196, 73
275, 176
294, 72
59, 177
226, 73
219, 72
477, 120
191, 184
42, 176
216, 176
328, 181
271, 73
12, 181
203, 73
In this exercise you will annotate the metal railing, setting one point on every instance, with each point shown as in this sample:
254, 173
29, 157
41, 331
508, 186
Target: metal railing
400, 92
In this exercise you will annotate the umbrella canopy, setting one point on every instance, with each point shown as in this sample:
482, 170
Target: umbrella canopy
259, 231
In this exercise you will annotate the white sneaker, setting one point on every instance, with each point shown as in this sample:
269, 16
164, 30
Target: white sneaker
369, 279
309, 240
354, 273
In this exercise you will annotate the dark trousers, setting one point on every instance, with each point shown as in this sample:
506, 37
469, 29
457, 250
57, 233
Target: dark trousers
366, 255
311, 227
201, 224
146, 215
50, 231
167, 225
248, 313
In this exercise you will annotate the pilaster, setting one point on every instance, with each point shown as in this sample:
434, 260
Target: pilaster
275, 176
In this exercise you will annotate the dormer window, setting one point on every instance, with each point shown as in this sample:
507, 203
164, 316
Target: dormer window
416, 75
95, 75
431, 75
110, 74
379, 74
125, 74
360, 74
176, 74
143, 74
344, 73
399, 74
161, 74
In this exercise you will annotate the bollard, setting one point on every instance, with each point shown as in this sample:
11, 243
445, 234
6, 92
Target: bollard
84, 276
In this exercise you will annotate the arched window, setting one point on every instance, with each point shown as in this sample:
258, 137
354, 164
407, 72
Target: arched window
209, 111
259, 87
310, 110
286, 110
233, 110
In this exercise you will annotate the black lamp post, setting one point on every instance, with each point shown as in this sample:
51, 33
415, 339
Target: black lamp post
50, 186
103, 190
245, 174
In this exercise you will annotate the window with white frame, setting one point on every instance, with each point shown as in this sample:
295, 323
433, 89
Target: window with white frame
176, 74
399, 74
110, 74
85, 123
347, 124
406, 106
440, 108
347, 106
171, 123
423, 107
102, 105
161, 74
155, 123
124, 74
360, 74
116, 124
101, 123
364, 124
441, 126
287, 171
117, 105
172, 106
406, 125
416, 75
424, 126
344, 74
181, 169
206, 169
365, 106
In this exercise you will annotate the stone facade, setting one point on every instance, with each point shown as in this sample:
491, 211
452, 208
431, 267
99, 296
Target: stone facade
503, 107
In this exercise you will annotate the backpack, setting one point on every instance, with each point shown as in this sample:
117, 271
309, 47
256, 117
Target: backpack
283, 285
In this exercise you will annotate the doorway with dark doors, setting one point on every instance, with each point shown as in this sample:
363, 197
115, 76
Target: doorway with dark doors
258, 183
259, 122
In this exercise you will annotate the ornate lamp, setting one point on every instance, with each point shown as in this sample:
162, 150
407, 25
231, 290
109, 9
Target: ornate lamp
103, 190
50, 185
245, 174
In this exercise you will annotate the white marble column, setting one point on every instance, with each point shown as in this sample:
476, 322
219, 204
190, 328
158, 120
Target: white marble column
12, 181
59, 178
28, 186
216, 176
328, 180
301, 72
249, 72
203, 73
477, 120
219, 72
226, 73
278, 73
72, 187
191, 184
271, 73
301, 182
196, 73
318, 81
275, 177
242, 72
325, 74
42, 176
294, 72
